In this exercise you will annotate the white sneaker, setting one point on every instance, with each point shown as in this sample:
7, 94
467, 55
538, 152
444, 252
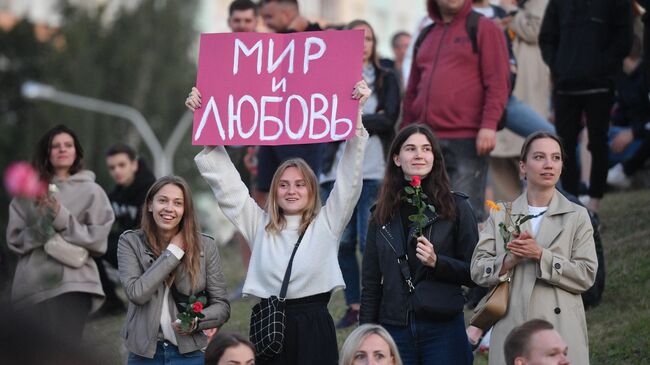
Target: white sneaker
616, 177
584, 199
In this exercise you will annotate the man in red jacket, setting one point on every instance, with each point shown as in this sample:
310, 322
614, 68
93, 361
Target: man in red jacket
460, 93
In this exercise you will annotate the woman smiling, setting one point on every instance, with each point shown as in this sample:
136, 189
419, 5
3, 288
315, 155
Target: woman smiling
412, 281
162, 264
79, 211
294, 217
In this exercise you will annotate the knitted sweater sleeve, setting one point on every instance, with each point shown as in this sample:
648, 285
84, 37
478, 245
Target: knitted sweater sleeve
347, 187
231, 193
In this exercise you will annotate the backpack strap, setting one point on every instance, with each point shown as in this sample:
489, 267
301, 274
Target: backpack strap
471, 25
421, 36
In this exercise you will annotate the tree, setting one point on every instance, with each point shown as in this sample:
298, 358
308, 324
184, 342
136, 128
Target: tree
141, 59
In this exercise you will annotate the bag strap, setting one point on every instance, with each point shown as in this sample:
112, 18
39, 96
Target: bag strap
287, 274
403, 262
471, 26
420, 39
402, 257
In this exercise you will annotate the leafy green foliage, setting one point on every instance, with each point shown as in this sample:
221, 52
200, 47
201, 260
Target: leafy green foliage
415, 196
142, 60
511, 228
191, 313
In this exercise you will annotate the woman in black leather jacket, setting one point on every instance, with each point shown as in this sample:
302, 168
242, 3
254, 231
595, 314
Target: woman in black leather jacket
413, 286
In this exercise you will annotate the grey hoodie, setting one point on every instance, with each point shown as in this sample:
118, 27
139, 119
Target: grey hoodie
84, 219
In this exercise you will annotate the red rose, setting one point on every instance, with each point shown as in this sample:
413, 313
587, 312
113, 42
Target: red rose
415, 181
197, 307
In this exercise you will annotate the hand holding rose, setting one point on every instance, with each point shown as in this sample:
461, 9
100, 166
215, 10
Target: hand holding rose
425, 252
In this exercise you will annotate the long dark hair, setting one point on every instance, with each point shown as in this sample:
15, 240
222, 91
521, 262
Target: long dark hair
188, 225
41, 159
436, 185
221, 342
374, 59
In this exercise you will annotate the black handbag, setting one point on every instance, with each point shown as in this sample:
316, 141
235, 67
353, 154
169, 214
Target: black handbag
266, 330
437, 300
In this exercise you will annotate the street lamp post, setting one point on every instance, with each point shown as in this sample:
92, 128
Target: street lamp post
177, 135
162, 158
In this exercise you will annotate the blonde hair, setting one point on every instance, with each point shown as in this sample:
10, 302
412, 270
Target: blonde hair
354, 340
277, 221
191, 261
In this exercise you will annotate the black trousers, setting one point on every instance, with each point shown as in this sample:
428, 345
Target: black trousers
111, 257
569, 110
310, 336
107, 285
64, 316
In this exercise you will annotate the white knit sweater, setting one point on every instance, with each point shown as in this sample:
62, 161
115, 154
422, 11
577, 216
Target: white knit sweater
315, 267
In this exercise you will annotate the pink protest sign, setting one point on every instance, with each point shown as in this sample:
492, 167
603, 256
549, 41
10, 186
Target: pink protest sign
273, 89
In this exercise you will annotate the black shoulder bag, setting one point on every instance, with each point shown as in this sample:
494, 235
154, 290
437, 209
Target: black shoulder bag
431, 299
266, 330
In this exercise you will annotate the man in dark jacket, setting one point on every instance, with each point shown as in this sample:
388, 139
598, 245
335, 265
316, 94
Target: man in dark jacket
583, 43
460, 93
132, 181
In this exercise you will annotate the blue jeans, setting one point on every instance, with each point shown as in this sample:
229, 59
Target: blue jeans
167, 354
524, 120
627, 153
467, 171
432, 343
355, 231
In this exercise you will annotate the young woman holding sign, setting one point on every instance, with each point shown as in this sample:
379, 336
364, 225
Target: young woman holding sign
294, 215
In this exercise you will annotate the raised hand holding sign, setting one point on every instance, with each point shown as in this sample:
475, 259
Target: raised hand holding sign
273, 89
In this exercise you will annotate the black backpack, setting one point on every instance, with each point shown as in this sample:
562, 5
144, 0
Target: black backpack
471, 25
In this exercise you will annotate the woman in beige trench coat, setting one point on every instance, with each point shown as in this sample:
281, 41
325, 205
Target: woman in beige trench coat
551, 262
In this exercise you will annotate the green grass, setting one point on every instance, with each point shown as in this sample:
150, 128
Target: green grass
619, 328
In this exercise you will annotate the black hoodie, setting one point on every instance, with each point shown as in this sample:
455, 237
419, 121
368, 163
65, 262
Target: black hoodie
584, 41
127, 201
